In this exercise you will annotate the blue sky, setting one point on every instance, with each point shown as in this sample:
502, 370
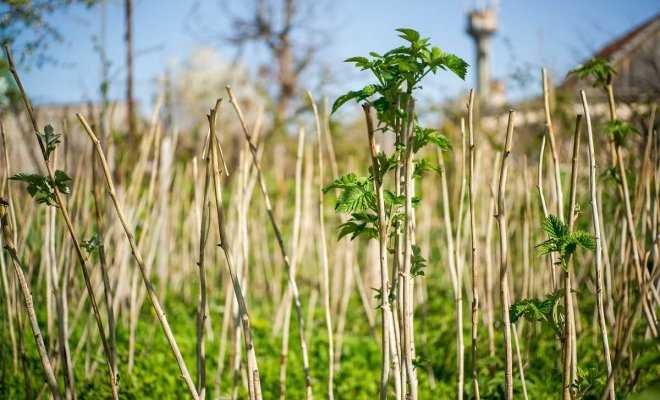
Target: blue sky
556, 34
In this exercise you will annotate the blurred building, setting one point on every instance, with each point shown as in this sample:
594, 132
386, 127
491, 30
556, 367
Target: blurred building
635, 56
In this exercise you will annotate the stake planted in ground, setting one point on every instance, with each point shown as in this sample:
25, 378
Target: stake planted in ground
139, 260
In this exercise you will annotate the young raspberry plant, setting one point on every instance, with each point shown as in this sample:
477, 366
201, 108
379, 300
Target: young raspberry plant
398, 74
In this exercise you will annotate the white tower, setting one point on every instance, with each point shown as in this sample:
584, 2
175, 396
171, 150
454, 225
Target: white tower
482, 24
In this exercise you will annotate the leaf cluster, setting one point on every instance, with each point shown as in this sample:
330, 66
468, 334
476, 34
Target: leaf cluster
539, 310
42, 189
402, 66
417, 262
423, 136
49, 139
93, 244
357, 198
589, 383
562, 241
398, 73
356, 193
598, 69
619, 131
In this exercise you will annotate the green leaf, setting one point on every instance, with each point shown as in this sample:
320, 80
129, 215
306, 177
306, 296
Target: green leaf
384, 163
619, 131
598, 69
42, 189
92, 244
49, 139
38, 186
343, 182
455, 64
360, 224
538, 310
356, 194
358, 95
343, 99
423, 136
563, 242
63, 182
408, 34
391, 200
360, 62
423, 166
417, 262
555, 229
584, 239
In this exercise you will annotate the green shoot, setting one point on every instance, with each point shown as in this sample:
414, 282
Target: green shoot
49, 139
562, 241
403, 65
398, 73
418, 263
598, 69
619, 131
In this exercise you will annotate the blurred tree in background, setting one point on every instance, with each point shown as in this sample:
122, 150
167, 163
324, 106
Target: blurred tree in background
25, 25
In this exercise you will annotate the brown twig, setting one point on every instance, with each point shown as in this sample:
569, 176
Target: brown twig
139, 260
69, 225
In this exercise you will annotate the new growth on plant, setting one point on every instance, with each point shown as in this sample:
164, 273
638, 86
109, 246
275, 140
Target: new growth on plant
564, 243
381, 204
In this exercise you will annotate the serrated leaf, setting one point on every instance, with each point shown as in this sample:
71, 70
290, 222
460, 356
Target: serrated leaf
42, 189
423, 136
535, 310
598, 69
619, 131
555, 229
408, 34
356, 193
49, 139
62, 182
92, 244
563, 242
455, 64
417, 262
38, 186
358, 95
422, 166
360, 224
584, 239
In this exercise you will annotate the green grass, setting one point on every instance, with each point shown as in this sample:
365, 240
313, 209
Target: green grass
156, 376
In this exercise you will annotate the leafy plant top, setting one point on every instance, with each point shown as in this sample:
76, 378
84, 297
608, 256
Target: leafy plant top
563, 242
49, 139
598, 69
399, 71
